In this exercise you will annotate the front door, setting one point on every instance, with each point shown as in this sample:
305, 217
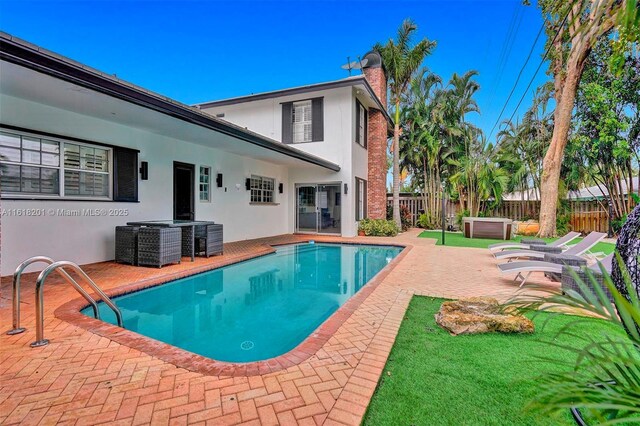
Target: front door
318, 208
183, 191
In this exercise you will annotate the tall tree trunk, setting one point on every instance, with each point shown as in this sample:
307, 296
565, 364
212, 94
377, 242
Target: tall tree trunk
566, 88
425, 188
567, 70
396, 167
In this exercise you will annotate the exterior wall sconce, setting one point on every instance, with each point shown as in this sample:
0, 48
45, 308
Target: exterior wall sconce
280, 187
247, 184
144, 170
346, 189
219, 180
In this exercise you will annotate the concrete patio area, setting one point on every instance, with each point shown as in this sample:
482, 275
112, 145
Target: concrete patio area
84, 378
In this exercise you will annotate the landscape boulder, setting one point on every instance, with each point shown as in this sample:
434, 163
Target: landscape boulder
480, 315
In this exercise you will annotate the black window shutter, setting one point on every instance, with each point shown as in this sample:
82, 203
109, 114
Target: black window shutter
125, 174
358, 122
357, 191
365, 194
287, 122
317, 119
366, 128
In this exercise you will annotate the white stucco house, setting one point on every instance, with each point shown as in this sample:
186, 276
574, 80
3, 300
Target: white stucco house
83, 152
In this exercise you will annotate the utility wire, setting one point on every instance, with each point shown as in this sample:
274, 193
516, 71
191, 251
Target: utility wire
508, 41
513, 89
546, 53
544, 58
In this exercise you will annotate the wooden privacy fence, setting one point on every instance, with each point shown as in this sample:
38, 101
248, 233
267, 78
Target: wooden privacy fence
415, 206
586, 216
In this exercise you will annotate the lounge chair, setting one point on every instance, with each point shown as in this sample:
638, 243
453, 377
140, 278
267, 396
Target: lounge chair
560, 242
525, 268
539, 252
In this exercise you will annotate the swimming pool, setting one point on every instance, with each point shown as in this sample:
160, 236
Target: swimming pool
253, 310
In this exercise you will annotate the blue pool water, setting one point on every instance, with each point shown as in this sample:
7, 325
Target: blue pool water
254, 310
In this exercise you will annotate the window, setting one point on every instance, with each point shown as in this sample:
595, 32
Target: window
205, 183
46, 167
361, 199
362, 119
262, 189
302, 122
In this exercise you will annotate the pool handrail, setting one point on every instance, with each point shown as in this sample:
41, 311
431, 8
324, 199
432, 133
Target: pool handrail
17, 275
40, 340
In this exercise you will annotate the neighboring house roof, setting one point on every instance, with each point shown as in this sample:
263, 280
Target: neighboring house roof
587, 193
593, 192
349, 81
33, 57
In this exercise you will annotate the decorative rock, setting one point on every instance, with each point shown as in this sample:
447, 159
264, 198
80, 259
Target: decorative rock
480, 315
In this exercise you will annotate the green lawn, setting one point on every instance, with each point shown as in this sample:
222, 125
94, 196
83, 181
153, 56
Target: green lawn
456, 239
433, 378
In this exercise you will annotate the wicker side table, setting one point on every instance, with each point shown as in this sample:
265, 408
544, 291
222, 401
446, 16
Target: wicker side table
563, 259
208, 239
127, 244
159, 246
547, 249
533, 241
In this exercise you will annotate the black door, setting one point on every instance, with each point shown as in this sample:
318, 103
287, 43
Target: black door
183, 191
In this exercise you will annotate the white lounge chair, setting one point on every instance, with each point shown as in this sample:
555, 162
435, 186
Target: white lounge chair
560, 242
525, 268
586, 244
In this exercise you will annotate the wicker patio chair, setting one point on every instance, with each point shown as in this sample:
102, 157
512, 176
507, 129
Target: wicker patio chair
127, 244
159, 246
208, 239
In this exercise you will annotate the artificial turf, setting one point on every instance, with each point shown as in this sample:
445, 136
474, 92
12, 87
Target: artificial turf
456, 239
434, 378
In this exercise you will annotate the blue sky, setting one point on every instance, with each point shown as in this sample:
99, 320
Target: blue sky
195, 51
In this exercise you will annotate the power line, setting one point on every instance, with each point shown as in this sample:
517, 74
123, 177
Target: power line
546, 53
508, 42
513, 89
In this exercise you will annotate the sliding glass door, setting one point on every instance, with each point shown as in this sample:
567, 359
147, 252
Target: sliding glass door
318, 208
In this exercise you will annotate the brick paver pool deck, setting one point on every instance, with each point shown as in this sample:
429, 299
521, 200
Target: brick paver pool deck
83, 377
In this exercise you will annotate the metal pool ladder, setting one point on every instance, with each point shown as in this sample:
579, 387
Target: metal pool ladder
54, 266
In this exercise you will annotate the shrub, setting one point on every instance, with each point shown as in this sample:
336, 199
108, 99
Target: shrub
426, 221
405, 215
460, 215
563, 217
616, 224
378, 228
603, 381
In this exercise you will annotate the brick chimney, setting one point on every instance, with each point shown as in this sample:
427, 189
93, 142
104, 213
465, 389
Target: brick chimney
377, 140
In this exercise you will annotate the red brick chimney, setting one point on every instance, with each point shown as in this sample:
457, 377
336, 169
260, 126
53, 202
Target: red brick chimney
377, 140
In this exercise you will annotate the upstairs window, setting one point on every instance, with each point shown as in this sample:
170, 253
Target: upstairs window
303, 121
362, 122
262, 189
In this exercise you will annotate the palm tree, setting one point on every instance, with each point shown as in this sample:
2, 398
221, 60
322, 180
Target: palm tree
401, 61
420, 147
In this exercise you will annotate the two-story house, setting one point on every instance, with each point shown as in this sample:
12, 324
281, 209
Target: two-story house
82, 151
329, 120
